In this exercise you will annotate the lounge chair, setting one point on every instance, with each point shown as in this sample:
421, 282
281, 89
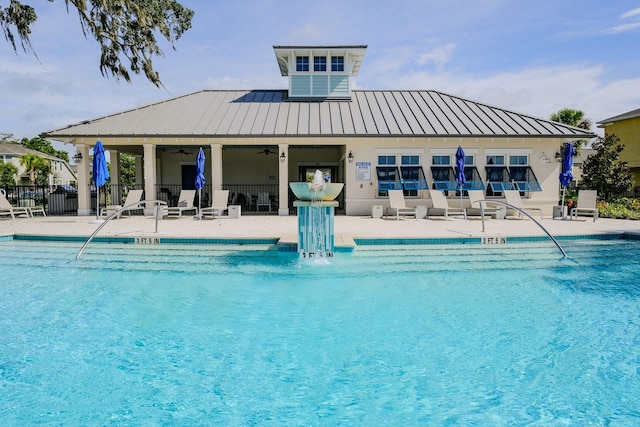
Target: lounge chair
396, 202
586, 204
219, 204
133, 197
440, 204
474, 198
263, 200
7, 209
512, 197
185, 204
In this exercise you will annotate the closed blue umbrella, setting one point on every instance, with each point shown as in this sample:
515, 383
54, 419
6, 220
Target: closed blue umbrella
100, 172
566, 175
200, 179
460, 178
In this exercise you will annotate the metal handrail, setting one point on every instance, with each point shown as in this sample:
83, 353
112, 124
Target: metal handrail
157, 204
523, 212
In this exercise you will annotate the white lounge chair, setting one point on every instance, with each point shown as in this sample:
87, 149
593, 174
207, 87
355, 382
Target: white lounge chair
440, 204
185, 204
263, 200
474, 198
219, 204
513, 198
7, 209
133, 197
396, 202
586, 204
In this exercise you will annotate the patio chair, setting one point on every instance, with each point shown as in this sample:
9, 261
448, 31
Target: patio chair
7, 209
219, 205
586, 204
513, 198
263, 200
474, 198
185, 204
396, 202
440, 204
133, 197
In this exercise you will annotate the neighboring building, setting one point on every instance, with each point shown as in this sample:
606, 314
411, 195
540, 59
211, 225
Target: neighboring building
372, 140
61, 173
627, 127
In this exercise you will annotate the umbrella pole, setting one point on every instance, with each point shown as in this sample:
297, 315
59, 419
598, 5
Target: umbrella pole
562, 205
199, 203
97, 203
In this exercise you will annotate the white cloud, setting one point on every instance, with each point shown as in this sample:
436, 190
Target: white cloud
538, 92
628, 26
438, 56
622, 28
629, 14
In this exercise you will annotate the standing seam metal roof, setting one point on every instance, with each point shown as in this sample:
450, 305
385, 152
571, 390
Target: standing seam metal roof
268, 113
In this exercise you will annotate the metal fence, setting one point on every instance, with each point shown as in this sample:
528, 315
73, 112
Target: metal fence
63, 199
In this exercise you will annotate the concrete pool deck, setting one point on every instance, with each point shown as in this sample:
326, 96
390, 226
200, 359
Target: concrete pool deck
284, 228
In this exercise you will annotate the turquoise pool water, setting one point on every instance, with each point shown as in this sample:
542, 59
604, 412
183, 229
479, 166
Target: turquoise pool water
440, 335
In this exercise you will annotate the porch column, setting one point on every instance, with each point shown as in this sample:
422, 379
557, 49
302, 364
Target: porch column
149, 176
114, 166
283, 180
84, 190
216, 167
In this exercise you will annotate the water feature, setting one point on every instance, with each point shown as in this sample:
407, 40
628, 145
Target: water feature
315, 206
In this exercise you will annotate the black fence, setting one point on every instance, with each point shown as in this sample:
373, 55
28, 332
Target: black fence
63, 199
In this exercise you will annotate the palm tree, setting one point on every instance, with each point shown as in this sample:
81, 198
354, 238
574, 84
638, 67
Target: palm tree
572, 117
575, 118
33, 163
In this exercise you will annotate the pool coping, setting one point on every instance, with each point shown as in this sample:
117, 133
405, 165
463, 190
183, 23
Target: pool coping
343, 244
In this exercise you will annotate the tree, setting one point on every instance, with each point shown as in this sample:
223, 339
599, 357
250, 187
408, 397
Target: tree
42, 145
125, 29
127, 170
575, 118
36, 166
604, 171
8, 172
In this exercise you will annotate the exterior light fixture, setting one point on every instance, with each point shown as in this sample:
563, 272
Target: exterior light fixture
283, 157
78, 157
350, 157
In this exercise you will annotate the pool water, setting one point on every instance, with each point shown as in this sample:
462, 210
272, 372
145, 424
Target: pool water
438, 335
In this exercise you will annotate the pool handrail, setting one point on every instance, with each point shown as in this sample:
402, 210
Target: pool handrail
522, 212
156, 203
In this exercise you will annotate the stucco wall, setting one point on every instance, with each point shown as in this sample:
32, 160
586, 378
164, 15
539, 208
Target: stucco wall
629, 133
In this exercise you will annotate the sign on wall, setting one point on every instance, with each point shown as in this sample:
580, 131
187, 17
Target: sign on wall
363, 171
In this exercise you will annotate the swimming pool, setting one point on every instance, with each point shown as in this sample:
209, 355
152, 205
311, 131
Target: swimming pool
441, 335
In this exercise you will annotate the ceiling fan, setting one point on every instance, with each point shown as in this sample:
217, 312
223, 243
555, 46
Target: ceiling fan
182, 151
267, 151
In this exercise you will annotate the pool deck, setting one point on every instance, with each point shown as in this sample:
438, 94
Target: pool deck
284, 228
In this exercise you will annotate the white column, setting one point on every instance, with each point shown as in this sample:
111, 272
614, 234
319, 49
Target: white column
114, 173
216, 167
84, 180
283, 180
150, 176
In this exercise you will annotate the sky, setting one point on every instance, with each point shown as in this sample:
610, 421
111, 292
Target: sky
531, 57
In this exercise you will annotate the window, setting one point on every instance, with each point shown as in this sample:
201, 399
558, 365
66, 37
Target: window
386, 160
302, 63
441, 160
319, 63
495, 160
524, 179
518, 160
413, 178
337, 63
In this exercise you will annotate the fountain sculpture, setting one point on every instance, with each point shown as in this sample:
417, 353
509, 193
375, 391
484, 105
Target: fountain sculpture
315, 215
